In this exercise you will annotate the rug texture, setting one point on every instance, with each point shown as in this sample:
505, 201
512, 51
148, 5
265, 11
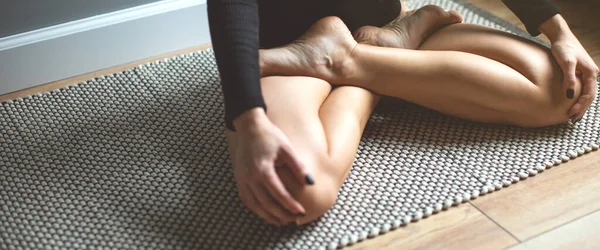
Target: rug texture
138, 160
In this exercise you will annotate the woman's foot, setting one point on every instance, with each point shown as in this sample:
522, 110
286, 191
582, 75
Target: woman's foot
320, 52
409, 29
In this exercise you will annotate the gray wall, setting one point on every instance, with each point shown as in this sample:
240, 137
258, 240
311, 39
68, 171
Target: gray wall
102, 47
17, 16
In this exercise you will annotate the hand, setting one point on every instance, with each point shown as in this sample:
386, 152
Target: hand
573, 60
261, 147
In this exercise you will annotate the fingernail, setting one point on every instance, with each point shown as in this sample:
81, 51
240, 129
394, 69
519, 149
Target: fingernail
570, 93
577, 120
309, 180
301, 214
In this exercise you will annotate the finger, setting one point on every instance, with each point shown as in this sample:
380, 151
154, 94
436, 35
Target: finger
586, 98
576, 119
570, 79
575, 110
242, 195
253, 204
278, 191
297, 166
270, 206
582, 105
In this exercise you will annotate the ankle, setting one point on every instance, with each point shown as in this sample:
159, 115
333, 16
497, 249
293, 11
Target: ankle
345, 69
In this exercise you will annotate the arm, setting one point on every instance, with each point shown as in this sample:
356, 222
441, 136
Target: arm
541, 16
234, 34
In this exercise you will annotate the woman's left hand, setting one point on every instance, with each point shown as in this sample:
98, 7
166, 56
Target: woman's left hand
574, 61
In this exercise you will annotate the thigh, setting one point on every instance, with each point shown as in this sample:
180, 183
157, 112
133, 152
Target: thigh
293, 105
532, 60
324, 125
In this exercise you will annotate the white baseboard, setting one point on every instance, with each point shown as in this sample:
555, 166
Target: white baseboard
99, 42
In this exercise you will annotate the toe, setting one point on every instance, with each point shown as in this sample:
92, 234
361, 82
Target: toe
440, 15
455, 16
365, 34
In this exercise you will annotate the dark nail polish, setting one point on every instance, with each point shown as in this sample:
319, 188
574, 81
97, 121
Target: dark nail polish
301, 214
309, 180
570, 93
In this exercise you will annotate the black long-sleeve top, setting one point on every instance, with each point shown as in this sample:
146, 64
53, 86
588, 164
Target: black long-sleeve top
239, 27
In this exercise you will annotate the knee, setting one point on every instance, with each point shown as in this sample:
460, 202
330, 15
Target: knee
542, 114
537, 121
318, 198
549, 107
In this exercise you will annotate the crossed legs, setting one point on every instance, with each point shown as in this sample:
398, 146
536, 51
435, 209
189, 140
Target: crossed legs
463, 70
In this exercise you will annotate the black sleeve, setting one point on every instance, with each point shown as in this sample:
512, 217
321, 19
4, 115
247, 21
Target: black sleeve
234, 33
532, 12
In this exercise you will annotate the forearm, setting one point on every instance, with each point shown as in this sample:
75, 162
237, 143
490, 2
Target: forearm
234, 33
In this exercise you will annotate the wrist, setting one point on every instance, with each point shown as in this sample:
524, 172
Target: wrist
250, 119
555, 28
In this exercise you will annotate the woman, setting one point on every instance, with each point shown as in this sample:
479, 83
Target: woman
295, 117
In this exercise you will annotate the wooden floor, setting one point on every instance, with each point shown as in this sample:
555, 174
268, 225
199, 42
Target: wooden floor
558, 209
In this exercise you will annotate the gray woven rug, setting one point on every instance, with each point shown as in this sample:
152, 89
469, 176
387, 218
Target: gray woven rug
138, 159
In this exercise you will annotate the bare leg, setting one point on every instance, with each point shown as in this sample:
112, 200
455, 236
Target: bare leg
467, 71
323, 124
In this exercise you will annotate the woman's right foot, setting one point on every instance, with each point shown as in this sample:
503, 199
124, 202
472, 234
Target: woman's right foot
409, 30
